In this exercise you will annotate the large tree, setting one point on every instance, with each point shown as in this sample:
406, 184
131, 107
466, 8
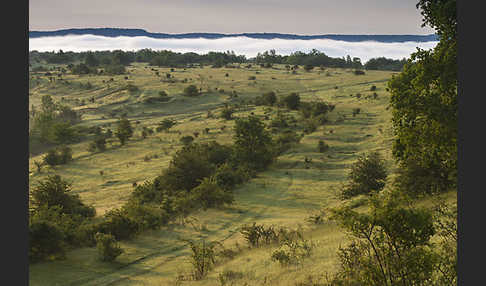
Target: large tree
424, 102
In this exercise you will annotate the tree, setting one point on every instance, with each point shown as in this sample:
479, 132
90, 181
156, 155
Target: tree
269, 98
191, 90
252, 143
367, 175
54, 191
165, 125
90, 60
391, 245
424, 104
124, 130
292, 101
108, 248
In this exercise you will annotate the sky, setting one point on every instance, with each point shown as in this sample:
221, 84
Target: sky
303, 17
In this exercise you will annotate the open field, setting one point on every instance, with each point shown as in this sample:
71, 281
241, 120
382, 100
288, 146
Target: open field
284, 195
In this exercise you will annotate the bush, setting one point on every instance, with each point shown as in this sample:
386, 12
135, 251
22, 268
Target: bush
226, 177
108, 248
124, 130
359, 72
227, 113
367, 175
165, 125
202, 257
322, 147
58, 156
45, 241
252, 77
186, 140
209, 194
269, 98
132, 88
292, 101
373, 88
191, 90
117, 223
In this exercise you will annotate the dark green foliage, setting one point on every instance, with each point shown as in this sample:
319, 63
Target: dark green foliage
124, 130
310, 126
391, 247
188, 166
292, 101
191, 90
98, 144
108, 248
117, 223
202, 257
114, 69
58, 156
322, 146
45, 241
165, 125
227, 178
186, 140
385, 64
82, 69
285, 141
54, 191
367, 176
308, 68
373, 88
359, 72
163, 93
252, 143
132, 88
227, 113
252, 77
425, 106
209, 194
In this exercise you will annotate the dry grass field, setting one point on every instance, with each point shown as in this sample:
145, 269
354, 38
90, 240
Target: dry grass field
284, 195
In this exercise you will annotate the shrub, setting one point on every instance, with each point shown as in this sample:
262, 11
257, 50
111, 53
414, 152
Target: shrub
45, 241
202, 257
124, 130
269, 98
186, 140
292, 101
252, 77
373, 88
191, 90
226, 177
227, 113
367, 175
359, 72
209, 194
322, 147
58, 156
108, 248
165, 125
117, 223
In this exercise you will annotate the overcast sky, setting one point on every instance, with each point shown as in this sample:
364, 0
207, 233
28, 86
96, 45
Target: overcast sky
304, 17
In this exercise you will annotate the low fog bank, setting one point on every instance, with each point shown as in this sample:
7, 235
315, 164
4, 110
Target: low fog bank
240, 45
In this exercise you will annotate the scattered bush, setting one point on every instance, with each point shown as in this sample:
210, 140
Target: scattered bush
322, 147
292, 101
186, 140
367, 176
191, 90
108, 248
58, 156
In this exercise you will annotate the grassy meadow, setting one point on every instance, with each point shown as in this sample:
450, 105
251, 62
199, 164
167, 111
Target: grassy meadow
286, 194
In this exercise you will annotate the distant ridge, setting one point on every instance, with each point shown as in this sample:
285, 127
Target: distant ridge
116, 32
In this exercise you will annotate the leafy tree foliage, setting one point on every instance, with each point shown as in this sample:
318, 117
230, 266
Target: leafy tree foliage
191, 90
367, 175
124, 130
292, 101
391, 245
424, 102
108, 248
252, 143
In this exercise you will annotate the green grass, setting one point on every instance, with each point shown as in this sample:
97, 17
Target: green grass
284, 195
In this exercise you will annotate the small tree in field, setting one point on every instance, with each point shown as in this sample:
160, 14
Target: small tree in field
124, 130
191, 90
108, 248
367, 175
